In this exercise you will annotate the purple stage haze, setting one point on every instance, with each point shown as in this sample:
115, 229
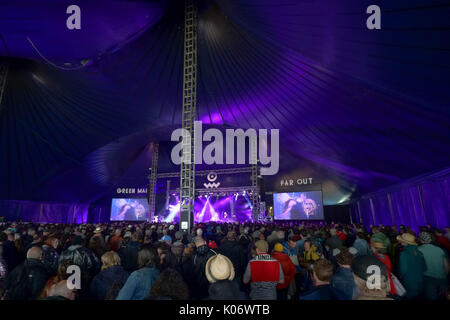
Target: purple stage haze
234, 208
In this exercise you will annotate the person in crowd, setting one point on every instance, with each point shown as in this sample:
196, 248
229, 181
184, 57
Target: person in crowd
61, 274
111, 273
97, 246
411, 266
170, 285
437, 267
343, 282
219, 271
379, 250
114, 241
289, 271
334, 241
27, 280
166, 258
139, 283
447, 233
264, 273
379, 236
301, 242
129, 253
194, 269
3, 268
230, 248
11, 254
321, 274
83, 257
178, 248
363, 269
361, 245
60, 291
441, 240
310, 254
50, 254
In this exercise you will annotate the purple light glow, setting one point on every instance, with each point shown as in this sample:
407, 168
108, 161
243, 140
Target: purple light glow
213, 208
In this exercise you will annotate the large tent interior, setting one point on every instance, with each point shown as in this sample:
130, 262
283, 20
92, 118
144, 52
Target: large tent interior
364, 113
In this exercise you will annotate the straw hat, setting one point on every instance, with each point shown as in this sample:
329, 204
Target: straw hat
407, 238
218, 268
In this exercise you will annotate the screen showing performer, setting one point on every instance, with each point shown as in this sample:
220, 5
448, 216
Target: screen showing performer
298, 205
129, 210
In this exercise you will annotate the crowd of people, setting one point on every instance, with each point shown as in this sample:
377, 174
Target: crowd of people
230, 261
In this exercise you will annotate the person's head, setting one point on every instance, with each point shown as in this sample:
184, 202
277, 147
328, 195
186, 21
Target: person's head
261, 246
11, 236
292, 241
170, 284
199, 241
344, 258
148, 257
31, 232
110, 259
364, 268
3, 237
52, 242
231, 235
118, 232
77, 240
61, 289
179, 235
377, 246
333, 232
61, 273
136, 236
322, 272
199, 232
219, 268
407, 239
162, 248
307, 245
34, 253
278, 247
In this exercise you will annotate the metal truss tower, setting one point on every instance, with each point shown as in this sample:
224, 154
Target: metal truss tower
152, 180
187, 168
254, 196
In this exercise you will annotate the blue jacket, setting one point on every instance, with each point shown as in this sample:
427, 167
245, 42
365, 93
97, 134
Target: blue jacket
323, 292
291, 252
103, 281
344, 284
138, 284
362, 246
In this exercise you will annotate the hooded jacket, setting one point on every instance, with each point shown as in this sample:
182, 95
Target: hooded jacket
289, 269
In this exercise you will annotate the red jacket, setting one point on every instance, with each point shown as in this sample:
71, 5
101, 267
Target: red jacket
387, 262
288, 267
342, 235
443, 241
